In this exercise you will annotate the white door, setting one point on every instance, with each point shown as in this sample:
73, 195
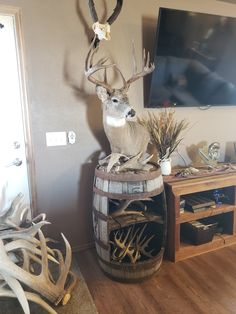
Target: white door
13, 165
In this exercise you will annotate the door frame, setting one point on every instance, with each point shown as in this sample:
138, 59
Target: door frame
16, 13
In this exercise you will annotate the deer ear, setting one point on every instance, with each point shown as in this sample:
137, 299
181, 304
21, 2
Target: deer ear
102, 93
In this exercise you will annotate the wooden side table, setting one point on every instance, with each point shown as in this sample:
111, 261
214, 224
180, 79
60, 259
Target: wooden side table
176, 188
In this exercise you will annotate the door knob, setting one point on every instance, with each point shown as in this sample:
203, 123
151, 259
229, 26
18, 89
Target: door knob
16, 162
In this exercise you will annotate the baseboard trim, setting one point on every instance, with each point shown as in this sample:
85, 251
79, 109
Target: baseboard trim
83, 247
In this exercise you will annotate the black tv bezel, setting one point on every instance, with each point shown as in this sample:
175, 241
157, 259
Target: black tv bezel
217, 11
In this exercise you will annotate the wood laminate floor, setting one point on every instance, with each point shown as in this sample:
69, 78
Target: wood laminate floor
202, 284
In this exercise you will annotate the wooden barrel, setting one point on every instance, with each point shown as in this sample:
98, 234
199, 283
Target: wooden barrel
109, 187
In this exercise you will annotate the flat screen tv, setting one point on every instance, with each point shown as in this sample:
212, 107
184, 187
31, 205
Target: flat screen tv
195, 60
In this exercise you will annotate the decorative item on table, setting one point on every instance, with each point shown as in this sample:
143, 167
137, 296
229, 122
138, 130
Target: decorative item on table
165, 133
198, 232
187, 172
211, 154
220, 197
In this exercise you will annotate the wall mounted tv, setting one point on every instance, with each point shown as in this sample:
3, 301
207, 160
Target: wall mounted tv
195, 59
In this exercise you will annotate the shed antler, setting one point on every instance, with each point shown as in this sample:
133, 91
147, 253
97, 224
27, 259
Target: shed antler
26, 261
42, 283
132, 245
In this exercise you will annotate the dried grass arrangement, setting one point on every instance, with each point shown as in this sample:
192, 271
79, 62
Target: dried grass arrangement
165, 131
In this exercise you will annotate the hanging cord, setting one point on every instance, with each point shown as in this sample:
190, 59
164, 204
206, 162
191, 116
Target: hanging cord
221, 236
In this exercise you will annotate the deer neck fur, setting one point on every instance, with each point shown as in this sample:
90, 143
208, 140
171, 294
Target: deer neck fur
114, 122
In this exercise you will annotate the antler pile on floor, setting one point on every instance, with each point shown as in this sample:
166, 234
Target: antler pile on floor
25, 260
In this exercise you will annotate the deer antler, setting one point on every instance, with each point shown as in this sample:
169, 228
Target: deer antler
90, 69
25, 260
22, 244
15, 215
122, 208
4, 292
147, 68
41, 283
141, 244
127, 245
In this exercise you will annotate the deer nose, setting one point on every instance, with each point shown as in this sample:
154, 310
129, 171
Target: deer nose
131, 113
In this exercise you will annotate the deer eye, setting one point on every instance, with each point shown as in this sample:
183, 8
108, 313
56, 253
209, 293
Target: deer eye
115, 100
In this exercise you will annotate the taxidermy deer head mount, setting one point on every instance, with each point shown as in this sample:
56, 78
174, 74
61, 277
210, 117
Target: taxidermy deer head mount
127, 138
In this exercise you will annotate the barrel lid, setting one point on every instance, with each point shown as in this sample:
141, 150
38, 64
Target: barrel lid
135, 175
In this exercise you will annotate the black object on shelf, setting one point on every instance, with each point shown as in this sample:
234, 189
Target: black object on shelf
198, 202
198, 232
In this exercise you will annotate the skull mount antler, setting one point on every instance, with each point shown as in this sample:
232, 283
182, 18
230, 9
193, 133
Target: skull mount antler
113, 16
102, 31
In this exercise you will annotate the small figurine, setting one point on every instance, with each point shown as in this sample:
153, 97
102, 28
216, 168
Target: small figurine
212, 155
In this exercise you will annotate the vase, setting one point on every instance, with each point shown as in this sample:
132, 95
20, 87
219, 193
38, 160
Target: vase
165, 165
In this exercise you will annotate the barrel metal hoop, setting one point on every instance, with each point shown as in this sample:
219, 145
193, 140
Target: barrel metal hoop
134, 267
101, 244
123, 196
100, 215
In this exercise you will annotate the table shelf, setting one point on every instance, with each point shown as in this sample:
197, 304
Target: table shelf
176, 190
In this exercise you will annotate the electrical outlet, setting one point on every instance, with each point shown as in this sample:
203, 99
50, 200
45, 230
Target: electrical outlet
56, 138
71, 137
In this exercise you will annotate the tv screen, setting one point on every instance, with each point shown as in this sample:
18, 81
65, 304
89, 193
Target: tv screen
195, 60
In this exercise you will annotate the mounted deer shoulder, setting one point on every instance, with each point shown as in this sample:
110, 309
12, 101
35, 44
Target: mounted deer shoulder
126, 137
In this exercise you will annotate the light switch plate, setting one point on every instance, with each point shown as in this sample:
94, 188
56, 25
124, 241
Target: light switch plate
56, 138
